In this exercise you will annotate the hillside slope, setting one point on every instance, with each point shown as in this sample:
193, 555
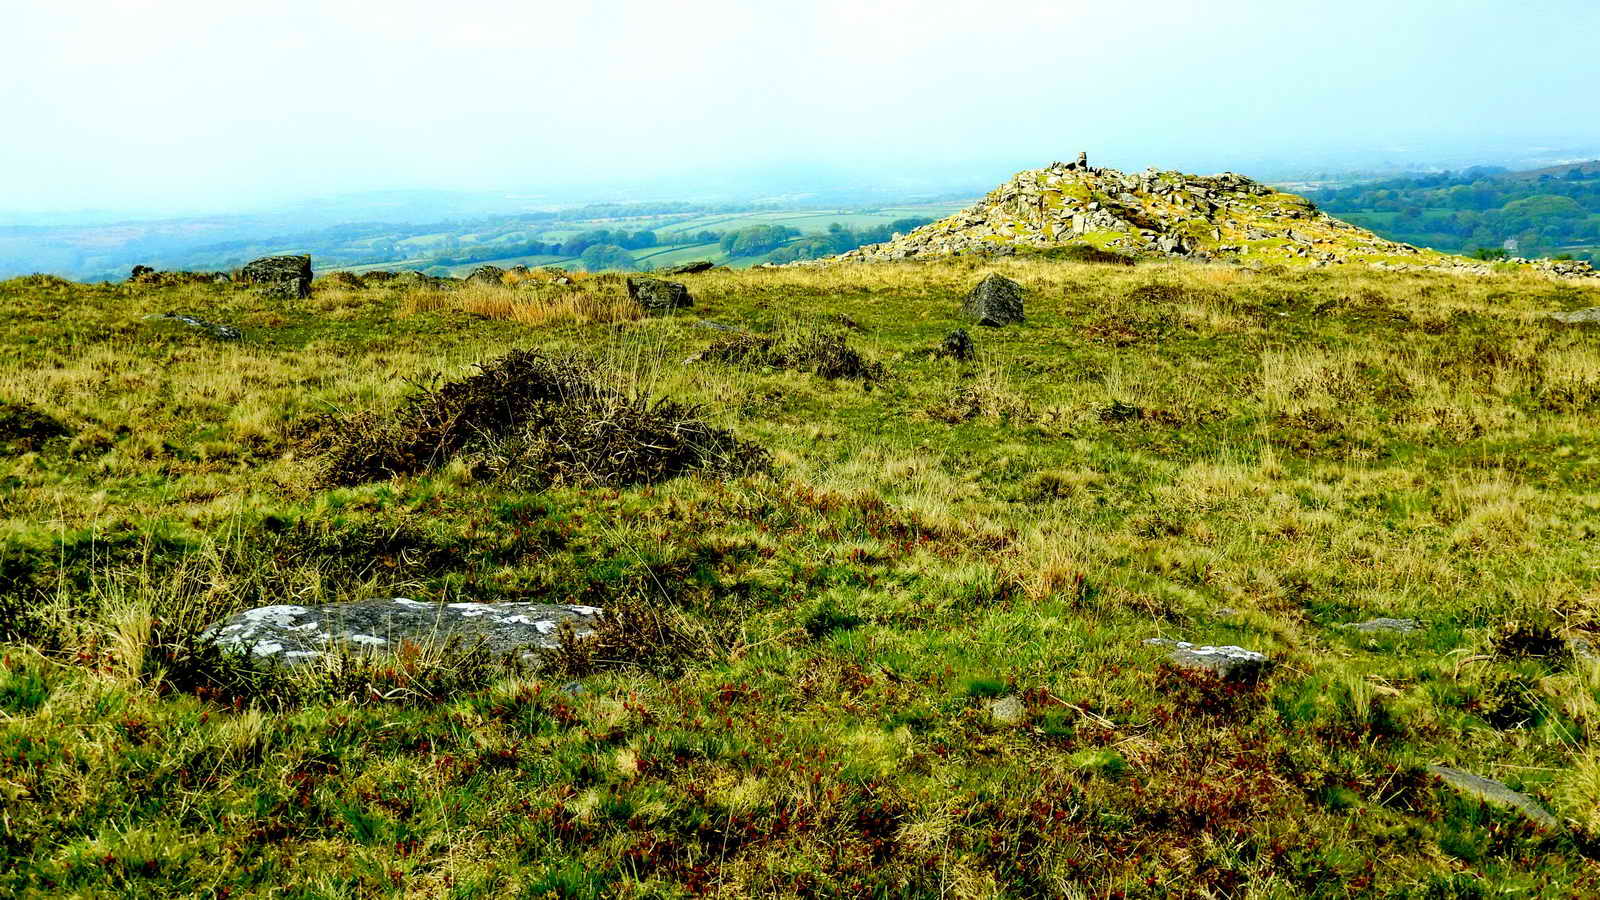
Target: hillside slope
1225, 216
908, 656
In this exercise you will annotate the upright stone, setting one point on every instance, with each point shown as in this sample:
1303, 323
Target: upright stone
996, 301
285, 277
657, 295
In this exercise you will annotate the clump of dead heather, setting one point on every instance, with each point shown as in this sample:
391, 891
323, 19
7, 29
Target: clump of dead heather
531, 420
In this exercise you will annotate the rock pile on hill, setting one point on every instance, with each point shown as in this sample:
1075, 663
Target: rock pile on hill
1162, 213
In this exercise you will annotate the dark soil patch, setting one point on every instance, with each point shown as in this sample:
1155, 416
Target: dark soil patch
25, 429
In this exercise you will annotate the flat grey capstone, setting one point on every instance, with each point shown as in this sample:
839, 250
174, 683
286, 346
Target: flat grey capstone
996, 301
1374, 626
1578, 316
1491, 791
1227, 662
294, 635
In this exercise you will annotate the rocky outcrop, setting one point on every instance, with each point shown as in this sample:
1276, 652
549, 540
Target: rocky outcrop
295, 635
996, 302
282, 277
1166, 214
657, 295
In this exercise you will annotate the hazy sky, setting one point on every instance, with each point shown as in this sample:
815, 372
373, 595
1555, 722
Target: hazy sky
144, 103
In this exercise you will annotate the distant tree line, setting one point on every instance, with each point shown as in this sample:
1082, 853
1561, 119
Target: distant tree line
840, 239
1480, 209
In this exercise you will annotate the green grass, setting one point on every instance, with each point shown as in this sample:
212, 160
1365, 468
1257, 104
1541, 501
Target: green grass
1193, 452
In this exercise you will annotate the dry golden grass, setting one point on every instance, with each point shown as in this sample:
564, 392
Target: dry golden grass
539, 307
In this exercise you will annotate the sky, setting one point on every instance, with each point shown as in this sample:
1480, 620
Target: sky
162, 104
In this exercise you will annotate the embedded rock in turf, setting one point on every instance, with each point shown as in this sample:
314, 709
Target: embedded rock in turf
283, 277
657, 295
1578, 316
1491, 791
300, 634
1229, 662
1398, 626
996, 301
220, 332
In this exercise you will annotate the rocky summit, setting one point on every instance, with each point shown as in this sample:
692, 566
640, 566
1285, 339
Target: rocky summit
1168, 214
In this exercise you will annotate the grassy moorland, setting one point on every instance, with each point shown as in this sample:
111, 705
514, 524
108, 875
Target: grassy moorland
904, 659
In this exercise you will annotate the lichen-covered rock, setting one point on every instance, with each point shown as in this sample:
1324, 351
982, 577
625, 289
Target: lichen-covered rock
284, 277
294, 635
657, 295
490, 275
1491, 791
996, 302
1226, 662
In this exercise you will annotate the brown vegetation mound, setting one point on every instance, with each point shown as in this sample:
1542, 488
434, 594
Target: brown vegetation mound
535, 420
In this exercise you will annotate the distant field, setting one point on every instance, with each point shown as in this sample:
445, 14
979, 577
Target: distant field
428, 248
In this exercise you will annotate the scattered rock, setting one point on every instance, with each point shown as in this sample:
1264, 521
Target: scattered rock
296, 635
377, 276
1491, 791
1227, 662
491, 275
689, 268
283, 277
1578, 316
996, 302
656, 295
218, 331
1375, 626
958, 345
1006, 710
